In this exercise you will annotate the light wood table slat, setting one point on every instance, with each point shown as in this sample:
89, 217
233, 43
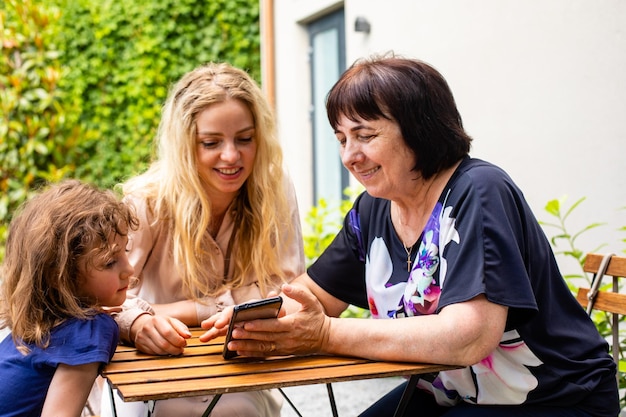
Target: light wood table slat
201, 370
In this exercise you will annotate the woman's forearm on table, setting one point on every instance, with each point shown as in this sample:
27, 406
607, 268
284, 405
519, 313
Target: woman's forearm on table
436, 338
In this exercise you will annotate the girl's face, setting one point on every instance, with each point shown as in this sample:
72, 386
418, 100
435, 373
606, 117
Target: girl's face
226, 148
105, 283
375, 153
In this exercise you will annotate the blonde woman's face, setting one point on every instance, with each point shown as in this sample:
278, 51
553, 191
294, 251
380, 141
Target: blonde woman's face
105, 283
226, 148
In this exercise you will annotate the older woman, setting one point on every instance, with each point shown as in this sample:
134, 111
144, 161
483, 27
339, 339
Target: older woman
447, 245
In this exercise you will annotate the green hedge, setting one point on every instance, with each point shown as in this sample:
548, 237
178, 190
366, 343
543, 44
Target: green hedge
82, 82
37, 134
124, 55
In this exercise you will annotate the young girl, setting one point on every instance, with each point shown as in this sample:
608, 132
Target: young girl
65, 261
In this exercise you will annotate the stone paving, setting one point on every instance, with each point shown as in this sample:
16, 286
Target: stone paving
351, 397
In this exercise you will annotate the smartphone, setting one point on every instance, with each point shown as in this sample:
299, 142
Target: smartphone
266, 308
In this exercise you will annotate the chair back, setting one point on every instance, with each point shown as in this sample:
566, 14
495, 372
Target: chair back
597, 298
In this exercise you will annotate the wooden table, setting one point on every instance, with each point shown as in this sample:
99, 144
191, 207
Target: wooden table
201, 370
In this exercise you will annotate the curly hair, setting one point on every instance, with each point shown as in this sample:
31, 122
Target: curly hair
65, 227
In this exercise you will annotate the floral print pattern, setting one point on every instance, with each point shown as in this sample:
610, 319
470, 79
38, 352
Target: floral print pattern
503, 377
420, 294
505, 372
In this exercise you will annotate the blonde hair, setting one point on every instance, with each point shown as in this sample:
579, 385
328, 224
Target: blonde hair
58, 233
175, 194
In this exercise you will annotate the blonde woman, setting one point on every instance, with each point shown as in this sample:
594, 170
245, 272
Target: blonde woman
219, 225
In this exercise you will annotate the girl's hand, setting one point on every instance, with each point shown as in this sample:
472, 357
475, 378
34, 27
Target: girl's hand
159, 335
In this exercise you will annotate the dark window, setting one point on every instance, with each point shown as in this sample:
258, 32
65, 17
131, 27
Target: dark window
327, 49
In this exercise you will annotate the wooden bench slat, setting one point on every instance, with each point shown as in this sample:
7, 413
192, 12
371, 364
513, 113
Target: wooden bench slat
605, 300
616, 268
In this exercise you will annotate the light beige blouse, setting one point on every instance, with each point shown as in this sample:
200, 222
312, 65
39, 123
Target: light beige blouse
150, 253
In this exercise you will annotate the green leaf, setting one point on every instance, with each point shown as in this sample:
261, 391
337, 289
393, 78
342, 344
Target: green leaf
553, 207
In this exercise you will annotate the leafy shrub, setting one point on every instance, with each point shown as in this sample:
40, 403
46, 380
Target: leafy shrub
37, 140
82, 82
602, 320
322, 223
124, 55
562, 236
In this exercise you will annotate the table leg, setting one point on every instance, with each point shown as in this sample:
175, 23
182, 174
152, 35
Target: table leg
150, 407
331, 398
289, 401
113, 408
406, 395
211, 406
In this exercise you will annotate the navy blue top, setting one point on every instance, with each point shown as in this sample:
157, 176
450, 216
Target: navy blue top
481, 238
24, 380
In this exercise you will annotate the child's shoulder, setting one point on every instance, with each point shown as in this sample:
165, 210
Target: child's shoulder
99, 326
91, 340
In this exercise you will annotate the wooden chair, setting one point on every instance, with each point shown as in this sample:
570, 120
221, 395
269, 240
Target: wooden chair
613, 301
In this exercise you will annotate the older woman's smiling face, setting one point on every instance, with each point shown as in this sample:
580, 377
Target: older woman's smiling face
375, 153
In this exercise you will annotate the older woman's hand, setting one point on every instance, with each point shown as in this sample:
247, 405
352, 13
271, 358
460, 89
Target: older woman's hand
304, 331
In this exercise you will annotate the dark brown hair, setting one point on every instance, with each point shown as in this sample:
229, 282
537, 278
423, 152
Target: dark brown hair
411, 93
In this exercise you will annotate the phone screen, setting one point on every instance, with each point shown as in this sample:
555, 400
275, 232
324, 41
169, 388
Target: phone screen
266, 308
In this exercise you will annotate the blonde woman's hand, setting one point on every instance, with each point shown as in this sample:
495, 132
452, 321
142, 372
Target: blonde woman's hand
216, 325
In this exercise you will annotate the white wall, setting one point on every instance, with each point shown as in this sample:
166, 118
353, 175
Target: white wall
540, 84
293, 87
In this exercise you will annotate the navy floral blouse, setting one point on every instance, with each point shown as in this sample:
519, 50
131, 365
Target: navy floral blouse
481, 238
